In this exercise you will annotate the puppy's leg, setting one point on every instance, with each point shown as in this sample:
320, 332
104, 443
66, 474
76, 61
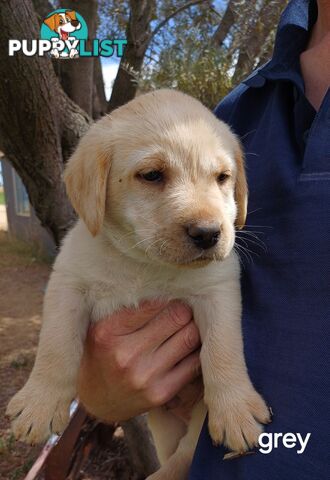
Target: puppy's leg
236, 410
178, 465
167, 430
42, 405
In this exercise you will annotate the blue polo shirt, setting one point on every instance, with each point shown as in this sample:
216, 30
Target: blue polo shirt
286, 289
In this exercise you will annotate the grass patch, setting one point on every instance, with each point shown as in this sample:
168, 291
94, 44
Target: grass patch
21, 361
7, 444
17, 252
2, 197
19, 472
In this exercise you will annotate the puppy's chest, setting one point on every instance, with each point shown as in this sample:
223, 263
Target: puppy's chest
106, 296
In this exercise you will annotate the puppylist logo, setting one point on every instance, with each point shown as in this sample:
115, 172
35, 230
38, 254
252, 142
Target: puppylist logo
64, 35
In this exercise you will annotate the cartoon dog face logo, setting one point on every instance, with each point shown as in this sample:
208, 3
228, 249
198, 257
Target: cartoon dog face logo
63, 24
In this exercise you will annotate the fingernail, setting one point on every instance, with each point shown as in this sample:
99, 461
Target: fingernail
234, 455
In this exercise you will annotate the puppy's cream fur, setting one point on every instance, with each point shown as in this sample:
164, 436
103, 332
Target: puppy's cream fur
131, 244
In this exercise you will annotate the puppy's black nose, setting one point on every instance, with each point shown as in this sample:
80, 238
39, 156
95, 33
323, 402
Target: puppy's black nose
74, 23
203, 235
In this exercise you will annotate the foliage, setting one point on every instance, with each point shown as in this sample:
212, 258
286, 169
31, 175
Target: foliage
205, 77
113, 15
185, 53
188, 60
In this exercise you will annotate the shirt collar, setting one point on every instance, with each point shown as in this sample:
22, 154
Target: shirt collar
291, 39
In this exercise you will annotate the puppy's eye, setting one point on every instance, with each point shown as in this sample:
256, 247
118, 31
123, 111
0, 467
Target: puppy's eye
223, 177
61, 21
155, 176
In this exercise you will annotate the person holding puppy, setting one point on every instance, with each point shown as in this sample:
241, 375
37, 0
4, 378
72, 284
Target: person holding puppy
281, 114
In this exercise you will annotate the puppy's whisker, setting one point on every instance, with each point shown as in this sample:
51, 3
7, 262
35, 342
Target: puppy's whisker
246, 232
152, 245
245, 251
253, 233
140, 242
250, 251
257, 226
256, 241
255, 210
131, 234
148, 219
252, 237
127, 235
239, 257
165, 242
242, 240
246, 254
247, 134
240, 253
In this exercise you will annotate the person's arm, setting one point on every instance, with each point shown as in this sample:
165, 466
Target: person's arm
139, 359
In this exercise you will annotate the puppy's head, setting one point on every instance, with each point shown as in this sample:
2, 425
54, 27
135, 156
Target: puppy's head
63, 23
163, 179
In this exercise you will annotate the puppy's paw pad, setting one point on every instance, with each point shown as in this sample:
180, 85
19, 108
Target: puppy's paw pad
36, 414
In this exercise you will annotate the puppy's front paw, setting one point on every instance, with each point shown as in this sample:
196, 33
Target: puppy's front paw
235, 418
55, 53
73, 53
37, 411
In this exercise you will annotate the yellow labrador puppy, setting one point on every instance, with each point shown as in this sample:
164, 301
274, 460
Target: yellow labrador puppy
158, 185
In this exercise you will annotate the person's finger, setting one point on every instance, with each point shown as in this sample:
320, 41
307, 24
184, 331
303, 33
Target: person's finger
188, 396
126, 320
176, 348
182, 374
166, 323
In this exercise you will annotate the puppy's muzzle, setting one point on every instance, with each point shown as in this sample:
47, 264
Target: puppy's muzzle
203, 236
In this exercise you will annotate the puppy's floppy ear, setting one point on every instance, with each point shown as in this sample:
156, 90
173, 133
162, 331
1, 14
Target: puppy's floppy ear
86, 177
71, 14
241, 189
51, 21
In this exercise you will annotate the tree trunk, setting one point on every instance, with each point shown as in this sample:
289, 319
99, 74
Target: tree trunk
100, 103
141, 446
39, 124
77, 75
138, 36
43, 8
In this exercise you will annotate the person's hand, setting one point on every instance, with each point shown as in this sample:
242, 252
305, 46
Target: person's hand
138, 359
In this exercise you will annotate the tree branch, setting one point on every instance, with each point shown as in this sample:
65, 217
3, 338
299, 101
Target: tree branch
172, 15
225, 25
215, 11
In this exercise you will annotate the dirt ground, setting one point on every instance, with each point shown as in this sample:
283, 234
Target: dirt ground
23, 278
